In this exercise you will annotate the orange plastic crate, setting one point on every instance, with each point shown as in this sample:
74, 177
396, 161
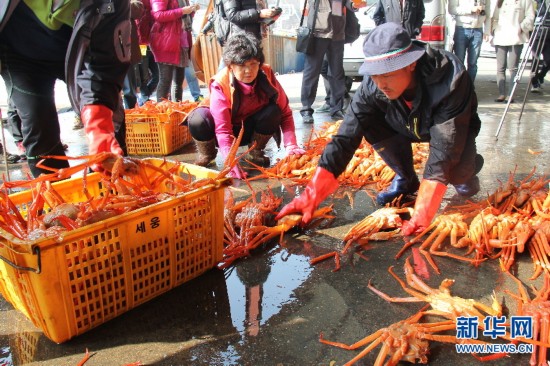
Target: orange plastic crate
155, 135
97, 272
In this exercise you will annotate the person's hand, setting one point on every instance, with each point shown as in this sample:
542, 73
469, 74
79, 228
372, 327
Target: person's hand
294, 150
100, 131
320, 187
190, 8
430, 195
268, 13
477, 9
237, 173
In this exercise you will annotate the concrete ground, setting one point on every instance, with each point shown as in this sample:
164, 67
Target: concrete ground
270, 308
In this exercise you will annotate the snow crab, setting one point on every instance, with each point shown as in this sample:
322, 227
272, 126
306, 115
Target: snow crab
441, 301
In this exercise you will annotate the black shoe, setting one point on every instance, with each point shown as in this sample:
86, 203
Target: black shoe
399, 186
469, 188
338, 115
12, 158
324, 109
307, 118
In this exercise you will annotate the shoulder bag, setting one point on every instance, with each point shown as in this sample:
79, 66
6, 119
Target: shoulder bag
304, 41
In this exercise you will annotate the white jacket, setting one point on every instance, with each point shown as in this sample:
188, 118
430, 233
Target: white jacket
461, 10
512, 22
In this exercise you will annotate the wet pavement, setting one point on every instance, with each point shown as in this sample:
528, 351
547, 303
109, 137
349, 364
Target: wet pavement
270, 308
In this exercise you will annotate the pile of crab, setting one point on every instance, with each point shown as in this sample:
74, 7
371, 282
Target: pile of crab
512, 220
365, 168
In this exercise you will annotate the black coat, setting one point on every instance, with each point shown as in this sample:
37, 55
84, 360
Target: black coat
244, 15
410, 18
444, 112
98, 54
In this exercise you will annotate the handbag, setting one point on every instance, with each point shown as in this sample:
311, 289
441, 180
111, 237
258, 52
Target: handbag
304, 34
353, 29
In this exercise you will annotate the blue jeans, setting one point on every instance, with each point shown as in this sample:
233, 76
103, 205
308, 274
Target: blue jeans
470, 40
192, 81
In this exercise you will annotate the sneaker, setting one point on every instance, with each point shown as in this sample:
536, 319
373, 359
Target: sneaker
11, 158
77, 123
535, 89
338, 115
324, 109
21, 149
307, 118
199, 99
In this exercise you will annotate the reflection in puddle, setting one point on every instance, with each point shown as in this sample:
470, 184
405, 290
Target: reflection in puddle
261, 285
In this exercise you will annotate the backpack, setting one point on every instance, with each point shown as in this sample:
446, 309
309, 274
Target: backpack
222, 26
353, 29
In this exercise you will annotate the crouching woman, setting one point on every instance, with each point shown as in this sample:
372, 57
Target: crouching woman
244, 94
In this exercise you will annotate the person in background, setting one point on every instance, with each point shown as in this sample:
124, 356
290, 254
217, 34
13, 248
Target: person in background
40, 43
328, 42
171, 41
244, 94
473, 26
410, 93
192, 83
410, 14
130, 88
249, 16
541, 44
325, 108
511, 23
149, 76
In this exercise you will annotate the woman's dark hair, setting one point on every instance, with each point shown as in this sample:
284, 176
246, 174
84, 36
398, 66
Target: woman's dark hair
242, 47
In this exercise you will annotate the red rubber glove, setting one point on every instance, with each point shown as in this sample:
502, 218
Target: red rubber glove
430, 195
320, 187
99, 128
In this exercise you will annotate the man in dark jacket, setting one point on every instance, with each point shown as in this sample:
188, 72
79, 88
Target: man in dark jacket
410, 14
249, 16
411, 93
329, 18
85, 43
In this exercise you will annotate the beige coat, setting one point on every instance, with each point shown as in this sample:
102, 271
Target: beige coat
512, 22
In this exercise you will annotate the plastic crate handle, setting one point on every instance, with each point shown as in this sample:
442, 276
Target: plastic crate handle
35, 250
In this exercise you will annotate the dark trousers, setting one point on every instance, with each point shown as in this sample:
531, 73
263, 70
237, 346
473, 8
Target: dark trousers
461, 171
266, 121
542, 44
14, 122
167, 75
129, 88
149, 74
178, 76
334, 52
30, 85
